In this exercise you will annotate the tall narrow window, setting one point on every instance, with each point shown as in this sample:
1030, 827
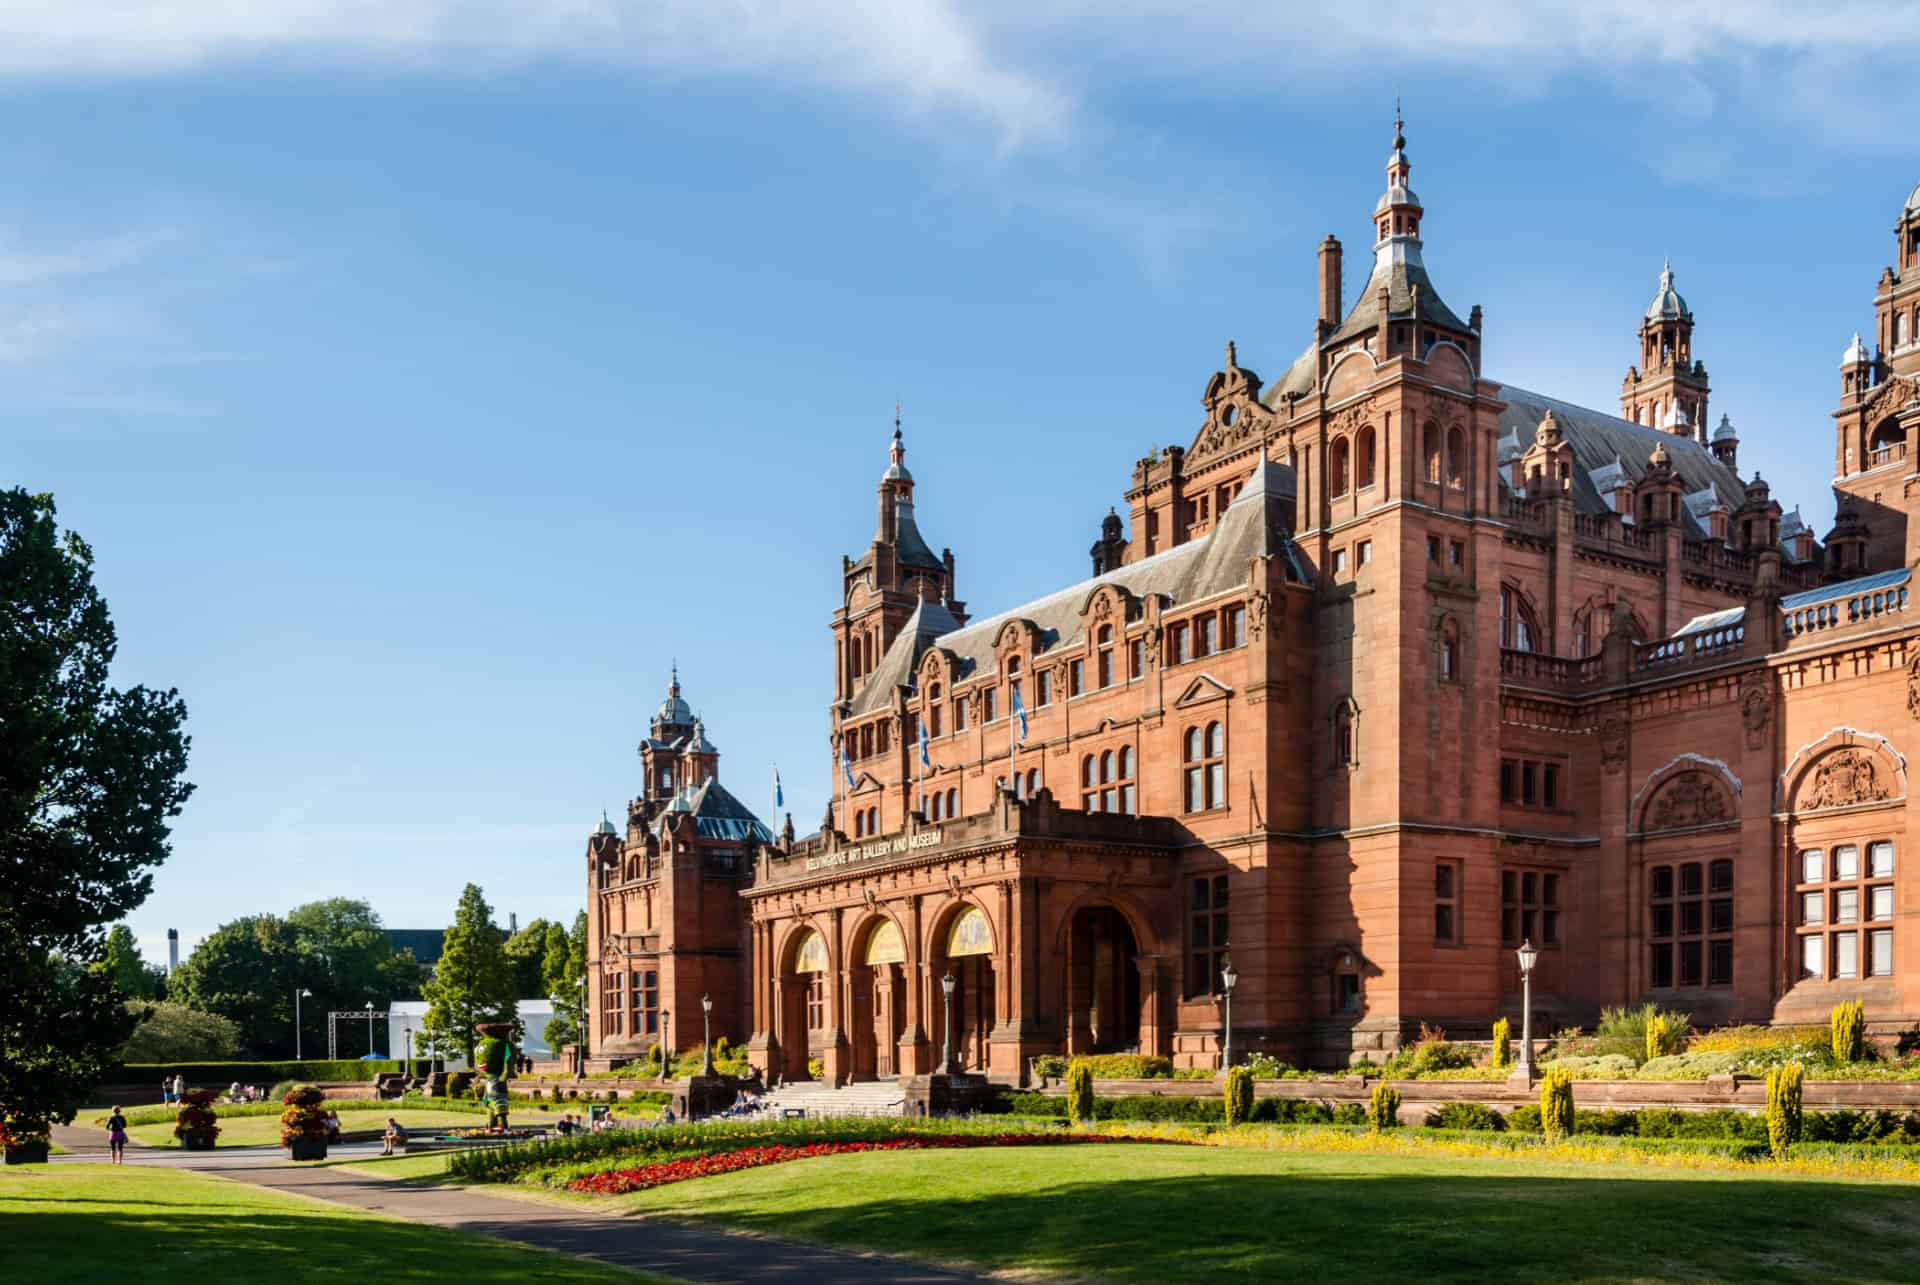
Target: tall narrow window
1177, 652
646, 1005
1529, 907
1456, 459
1015, 699
953, 801
1236, 629
1125, 778
1076, 677
1193, 771
1136, 657
1346, 741
959, 713
990, 704
1205, 767
1103, 657
1337, 479
1446, 903
1690, 923
1206, 934
1430, 448
933, 710
1836, 895
1042, 688
1364, 466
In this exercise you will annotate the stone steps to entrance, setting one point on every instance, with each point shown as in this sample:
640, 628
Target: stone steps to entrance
821, 1101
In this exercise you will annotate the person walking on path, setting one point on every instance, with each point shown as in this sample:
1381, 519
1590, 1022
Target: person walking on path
179, 1087
166, 1090
117, 1135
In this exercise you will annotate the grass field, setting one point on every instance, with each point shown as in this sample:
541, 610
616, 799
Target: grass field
1157, 1213
261, 1130
80, 1224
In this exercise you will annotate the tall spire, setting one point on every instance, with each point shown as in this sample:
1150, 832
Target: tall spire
1397, 215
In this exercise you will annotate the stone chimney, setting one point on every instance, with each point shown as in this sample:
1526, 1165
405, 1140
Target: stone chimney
1330, 282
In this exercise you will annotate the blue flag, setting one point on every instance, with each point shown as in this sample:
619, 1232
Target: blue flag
779, 798
1020, 713
846, 761
924, 760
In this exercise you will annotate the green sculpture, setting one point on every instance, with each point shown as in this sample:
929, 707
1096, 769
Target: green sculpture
493, 1058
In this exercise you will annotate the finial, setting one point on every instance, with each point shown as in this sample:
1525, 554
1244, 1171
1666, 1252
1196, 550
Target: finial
673, 688
1231, 362
896, 419
1399, 126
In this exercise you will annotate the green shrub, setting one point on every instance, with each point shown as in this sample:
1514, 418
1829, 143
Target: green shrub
280, 1089
1045, 1106
1383, 1111
1605, 1124
1157, 1108
1524, 1119
1761, 1039
1849, 1022
1239, 1095
1661, 1038
1265, 1067
1783, 1108
1428, 1054
1051, 1066
1502, 1043
221, 1074
1349, 1113
1128, 1066
1080, 1092
458, 1082
1689, 1066
1466, 1115
816, 1068
1193, 1073
1623, 1031
1556, 1104
1606, 1066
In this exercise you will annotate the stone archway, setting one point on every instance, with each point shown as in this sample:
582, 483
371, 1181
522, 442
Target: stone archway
878, 985
1104, 991
964, 948
804, 1008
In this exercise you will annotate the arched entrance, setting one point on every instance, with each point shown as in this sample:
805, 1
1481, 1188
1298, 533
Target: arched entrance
804, 1014
1103, 982
879, 990
965, 952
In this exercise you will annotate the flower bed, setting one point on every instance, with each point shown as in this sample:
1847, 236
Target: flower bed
615, 1182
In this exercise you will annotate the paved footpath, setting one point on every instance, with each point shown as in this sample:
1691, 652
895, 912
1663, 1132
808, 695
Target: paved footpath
706, 1255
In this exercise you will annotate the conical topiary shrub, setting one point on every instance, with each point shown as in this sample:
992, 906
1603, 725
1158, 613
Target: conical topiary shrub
194, 1125
303, 1125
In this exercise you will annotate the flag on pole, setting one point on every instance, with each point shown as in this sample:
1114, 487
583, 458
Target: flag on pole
924, 760
846, 761
1019, 717
779, 796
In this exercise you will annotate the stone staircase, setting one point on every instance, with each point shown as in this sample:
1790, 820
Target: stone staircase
820, 1101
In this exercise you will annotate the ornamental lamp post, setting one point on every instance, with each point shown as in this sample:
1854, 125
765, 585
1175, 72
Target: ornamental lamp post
946, 1050
370, 1048
666, 1045
1227, 980
1527, 956
299, 993
706, 1032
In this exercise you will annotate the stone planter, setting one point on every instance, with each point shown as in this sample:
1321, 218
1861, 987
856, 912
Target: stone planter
196, 1142
307, 1149
27, 1153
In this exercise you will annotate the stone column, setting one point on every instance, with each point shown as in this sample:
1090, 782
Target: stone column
913, 1037
1154, 1040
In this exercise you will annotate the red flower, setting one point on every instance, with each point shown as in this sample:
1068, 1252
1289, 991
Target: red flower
616, 1182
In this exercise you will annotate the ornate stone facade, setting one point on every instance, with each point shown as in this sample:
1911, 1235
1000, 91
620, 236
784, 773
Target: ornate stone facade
1392, 667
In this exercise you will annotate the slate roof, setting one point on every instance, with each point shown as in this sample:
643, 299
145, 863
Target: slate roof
718, 815
1846, 589
1255, 523
1599, 439
1400, 269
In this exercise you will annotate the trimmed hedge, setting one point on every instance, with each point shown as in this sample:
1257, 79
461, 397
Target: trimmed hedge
1155, 1108
221, 1074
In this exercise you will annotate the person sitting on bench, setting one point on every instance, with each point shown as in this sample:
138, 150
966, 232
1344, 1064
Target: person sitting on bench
396, 1134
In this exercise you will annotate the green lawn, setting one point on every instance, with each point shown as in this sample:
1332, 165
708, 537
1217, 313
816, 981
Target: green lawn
260, 1130
1159, 1213
81, 1224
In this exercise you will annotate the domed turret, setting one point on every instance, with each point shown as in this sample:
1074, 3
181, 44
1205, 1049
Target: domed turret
1726, 443
1667, 304
606, 825
673, 711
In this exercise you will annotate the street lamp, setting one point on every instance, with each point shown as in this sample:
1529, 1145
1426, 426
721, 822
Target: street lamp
580, 1034
299, 993
1528, 955
706, 1022
1227, 979
370, 1048
666, 1045
947, 1066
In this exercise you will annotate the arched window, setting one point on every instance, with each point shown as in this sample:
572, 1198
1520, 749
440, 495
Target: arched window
1346, 736
1583, 632
1899, 329
1449, 651
1337, 468
953, 802
1205, 768
873, 820
1365, 466
860, 825
1430, 450
1456, 459
1103, 666
1033, 781
1519, 630
1125, 776
936, 806
1087, 778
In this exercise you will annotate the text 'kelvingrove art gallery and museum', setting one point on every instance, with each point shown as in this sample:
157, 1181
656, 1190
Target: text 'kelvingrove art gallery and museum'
1385, 670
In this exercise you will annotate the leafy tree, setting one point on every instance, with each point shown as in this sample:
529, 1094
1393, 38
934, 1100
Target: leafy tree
90, 780
527, 952
247, 971
132, 974
355, 962
176, 1033
473, 981
564, 968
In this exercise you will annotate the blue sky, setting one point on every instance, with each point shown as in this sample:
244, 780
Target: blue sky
428, 375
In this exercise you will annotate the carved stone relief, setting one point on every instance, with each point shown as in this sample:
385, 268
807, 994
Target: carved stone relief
1756, 708
1913, 686
1842, 778
1257, 614
1689, 799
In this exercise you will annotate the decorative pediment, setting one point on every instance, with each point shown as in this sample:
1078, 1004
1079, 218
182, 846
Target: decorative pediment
1017, 635
1109, 604
1201, 690
1891, 396
1235, 415
1844, 768
1688, 799
865, 783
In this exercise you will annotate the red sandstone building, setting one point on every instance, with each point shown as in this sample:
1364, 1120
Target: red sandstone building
1390, 667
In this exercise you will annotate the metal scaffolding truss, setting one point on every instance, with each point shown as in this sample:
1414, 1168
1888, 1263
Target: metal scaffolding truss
352, 1014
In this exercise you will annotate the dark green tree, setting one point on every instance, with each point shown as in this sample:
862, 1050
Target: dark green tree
527, 952
247, 971
132, 974
563, 968
176, 1033
90, 781
473, 981
356, 962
